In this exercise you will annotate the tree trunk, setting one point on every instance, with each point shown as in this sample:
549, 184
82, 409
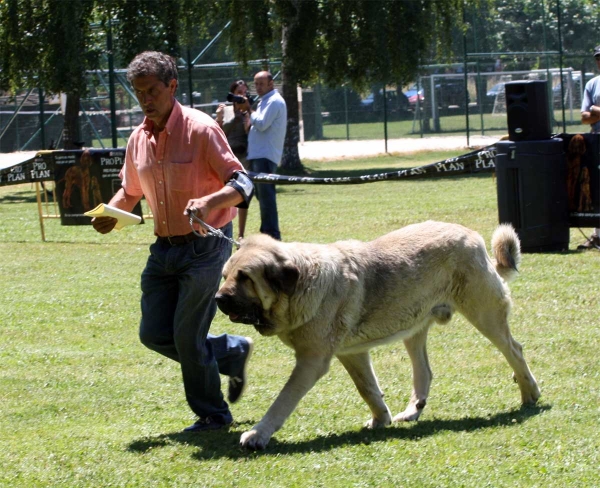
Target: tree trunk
290, 160
71, 135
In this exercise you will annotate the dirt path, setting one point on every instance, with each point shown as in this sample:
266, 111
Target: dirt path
324, 150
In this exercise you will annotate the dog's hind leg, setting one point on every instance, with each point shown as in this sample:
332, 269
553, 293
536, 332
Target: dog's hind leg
422, 376
361, 371
493, 324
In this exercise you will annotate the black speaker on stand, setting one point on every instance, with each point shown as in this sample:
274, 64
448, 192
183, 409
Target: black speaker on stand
527, 110
531, 171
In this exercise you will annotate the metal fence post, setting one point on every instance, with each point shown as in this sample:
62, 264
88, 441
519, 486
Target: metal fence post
190, 67
385, 131
42, 117
346, 112
111, 85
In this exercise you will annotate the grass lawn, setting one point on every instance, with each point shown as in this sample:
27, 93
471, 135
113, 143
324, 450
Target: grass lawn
449, 124
84, 404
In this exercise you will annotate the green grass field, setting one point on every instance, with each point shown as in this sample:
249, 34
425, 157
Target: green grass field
84, 404
487, 124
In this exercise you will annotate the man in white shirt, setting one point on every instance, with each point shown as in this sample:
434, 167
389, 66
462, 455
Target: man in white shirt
590, 115
265, 146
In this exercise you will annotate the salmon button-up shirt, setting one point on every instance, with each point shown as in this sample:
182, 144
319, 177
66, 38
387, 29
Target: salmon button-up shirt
191, 159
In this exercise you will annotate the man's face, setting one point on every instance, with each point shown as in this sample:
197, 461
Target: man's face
155, 98
262, 85
597, 58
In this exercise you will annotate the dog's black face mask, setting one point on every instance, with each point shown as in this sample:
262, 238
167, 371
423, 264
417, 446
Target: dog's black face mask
246, 313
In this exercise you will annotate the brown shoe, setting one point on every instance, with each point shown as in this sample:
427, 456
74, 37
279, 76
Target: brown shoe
592, 243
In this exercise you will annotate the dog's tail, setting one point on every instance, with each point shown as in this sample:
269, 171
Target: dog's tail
506, 248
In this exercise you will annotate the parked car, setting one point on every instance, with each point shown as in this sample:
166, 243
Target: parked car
448, 93
368, 102
495, 90
374, 102
413, 94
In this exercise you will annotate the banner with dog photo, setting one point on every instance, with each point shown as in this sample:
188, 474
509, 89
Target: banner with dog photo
85, 179
583, 178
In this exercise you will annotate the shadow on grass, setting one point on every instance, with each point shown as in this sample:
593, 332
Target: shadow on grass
217, 444
19, 198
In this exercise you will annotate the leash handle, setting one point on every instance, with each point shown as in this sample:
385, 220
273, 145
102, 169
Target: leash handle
211, 230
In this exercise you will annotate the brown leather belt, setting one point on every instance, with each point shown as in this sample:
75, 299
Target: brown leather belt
179, 240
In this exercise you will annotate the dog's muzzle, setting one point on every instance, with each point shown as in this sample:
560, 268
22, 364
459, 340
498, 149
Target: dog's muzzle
236, 313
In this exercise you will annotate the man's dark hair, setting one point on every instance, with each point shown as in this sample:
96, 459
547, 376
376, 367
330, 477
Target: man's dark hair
152, 63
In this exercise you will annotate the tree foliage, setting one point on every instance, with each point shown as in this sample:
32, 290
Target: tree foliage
533, 25
48, 43
53, 42
339, 41
359, 41
142, 25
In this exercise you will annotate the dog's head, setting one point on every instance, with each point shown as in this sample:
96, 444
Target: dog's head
259, 279
576, 145
85, 161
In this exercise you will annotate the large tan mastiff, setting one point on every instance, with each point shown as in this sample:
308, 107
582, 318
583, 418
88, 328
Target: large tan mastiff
342, 299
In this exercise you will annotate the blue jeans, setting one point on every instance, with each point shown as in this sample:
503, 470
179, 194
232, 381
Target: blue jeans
178, 304
265, 193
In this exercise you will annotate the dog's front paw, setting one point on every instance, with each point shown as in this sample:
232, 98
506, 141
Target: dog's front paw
253, 439
374, 423
407, 416
412, 412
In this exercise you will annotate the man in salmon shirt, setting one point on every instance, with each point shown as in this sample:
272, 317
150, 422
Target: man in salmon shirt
179, 159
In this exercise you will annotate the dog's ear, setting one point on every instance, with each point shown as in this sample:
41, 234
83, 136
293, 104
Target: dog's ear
283, 277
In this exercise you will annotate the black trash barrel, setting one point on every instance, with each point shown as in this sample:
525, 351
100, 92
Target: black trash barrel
532, 193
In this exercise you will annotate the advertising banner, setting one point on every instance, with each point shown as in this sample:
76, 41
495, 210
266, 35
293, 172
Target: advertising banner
39, 168
85, 179
481, 161
583, 178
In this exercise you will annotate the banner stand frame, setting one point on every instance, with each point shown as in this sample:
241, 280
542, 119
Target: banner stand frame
41, 215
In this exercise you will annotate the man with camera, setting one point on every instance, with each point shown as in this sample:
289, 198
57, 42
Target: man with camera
265, 146
590, 115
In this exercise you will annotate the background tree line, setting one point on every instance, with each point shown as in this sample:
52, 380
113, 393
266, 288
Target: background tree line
52, 43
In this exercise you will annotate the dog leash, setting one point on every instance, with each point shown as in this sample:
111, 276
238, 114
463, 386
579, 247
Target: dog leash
211, 230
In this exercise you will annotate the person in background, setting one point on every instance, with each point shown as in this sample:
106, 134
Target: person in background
265, 146
235, 123
179, 159
590, 115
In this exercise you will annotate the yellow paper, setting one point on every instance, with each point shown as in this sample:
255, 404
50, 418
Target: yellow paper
123, 218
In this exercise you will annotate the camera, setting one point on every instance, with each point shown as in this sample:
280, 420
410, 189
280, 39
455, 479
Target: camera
239, 99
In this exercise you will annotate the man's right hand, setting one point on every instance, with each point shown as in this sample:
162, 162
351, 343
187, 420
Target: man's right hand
104, 224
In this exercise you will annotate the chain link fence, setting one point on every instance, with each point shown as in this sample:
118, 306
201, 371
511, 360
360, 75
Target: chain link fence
457, 98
